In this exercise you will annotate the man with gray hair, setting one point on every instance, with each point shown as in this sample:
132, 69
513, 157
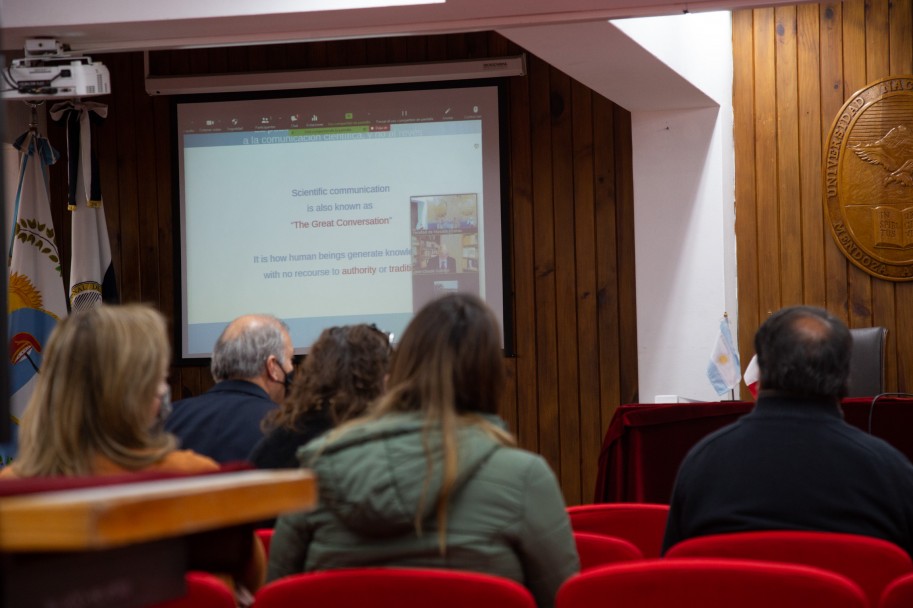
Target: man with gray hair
252, 367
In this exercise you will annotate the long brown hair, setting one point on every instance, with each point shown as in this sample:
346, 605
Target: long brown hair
96, 393
342, 374
450, 367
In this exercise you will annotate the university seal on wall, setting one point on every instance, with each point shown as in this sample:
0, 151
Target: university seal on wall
868, 179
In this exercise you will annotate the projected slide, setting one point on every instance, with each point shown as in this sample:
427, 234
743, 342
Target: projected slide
358, 210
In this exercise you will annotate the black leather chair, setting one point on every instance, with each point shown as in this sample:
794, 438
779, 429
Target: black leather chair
867, 361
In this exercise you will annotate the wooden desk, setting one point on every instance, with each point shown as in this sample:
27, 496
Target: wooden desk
123, 546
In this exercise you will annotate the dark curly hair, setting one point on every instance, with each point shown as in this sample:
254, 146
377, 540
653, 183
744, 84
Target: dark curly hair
343, 373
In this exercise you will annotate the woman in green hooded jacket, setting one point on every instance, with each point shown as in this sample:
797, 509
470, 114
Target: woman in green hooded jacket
430, 478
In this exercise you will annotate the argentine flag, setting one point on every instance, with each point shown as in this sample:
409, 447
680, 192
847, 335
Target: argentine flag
724, 369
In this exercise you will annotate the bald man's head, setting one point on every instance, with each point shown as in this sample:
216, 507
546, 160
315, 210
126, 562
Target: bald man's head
242, 351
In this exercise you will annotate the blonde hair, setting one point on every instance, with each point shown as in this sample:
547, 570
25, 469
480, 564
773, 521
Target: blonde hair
95, 393
450, 367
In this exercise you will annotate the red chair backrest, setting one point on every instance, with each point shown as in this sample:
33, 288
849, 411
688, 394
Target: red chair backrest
709, 583
401, 587
871, 562
598, 550
266, 536
203, 591
898, 594
642, 524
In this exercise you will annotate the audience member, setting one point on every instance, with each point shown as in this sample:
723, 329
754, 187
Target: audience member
98, 405
793, 463
99, 400
343, 372
429, 477
252, 366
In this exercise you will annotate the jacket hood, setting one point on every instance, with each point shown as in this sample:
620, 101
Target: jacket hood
373, 478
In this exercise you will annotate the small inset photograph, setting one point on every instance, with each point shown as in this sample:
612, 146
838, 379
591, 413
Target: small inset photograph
445, 212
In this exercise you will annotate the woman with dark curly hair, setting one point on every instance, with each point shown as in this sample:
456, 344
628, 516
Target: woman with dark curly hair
342, 374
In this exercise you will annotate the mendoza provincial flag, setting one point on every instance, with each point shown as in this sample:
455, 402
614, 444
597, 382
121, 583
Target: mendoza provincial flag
91, 272
36, 294
724, 370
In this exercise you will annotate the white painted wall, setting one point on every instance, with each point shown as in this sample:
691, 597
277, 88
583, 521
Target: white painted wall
684, 221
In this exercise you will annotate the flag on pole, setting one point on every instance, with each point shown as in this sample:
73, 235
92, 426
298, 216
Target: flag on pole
36, 296
91, 272
724, 370
753, 376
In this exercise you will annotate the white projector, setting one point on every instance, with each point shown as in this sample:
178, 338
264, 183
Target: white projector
53, 77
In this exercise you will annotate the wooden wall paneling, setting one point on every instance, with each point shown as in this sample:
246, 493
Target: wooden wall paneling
627, 301
587, 331
788, 159
859, 282
544, 262
878, 66
188, 379
814, 229
144, 197
900, 22
509, 409
900, 376
877, 40
832, 99
765, 133
565, 283
522, 252
608, 251
746, 225
120, 112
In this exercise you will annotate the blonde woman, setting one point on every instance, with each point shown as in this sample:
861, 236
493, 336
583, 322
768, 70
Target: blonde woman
99, 397
99, 402
429, 477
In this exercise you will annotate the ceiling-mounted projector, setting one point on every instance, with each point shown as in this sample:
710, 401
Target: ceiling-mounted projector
48, 71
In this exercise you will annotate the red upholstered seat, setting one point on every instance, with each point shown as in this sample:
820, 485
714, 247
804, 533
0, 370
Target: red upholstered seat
898, 594
642, 524
401, 587
203, 591
598, 550
709, 583
266, 536
871, 562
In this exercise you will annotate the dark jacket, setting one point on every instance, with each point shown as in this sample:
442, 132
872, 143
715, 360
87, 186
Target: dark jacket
279, 449
793, 464
222, 423
506, 517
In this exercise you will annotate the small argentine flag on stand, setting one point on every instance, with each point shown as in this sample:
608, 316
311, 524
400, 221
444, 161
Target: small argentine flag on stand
724, 369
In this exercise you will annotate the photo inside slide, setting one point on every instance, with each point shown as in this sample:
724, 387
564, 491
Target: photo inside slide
332, 210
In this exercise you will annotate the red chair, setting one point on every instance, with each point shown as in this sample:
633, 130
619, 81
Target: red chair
203, 591
401, 587
898, 594
598, 550
266, 536
709, 583
642, 524
871, 562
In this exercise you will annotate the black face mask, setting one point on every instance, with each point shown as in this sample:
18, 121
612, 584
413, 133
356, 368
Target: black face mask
289, 377
164, 410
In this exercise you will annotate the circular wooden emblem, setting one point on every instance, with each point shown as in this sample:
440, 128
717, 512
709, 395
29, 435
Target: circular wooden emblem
868, 179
